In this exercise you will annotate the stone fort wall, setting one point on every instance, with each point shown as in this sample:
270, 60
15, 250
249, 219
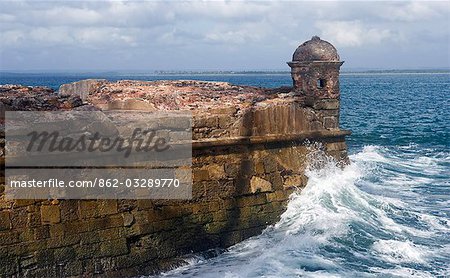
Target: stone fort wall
250, 151
244, 169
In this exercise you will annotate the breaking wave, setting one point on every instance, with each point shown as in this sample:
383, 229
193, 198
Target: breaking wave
384, 215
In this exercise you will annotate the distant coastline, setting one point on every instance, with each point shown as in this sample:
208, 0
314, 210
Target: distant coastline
216, 72
271, 79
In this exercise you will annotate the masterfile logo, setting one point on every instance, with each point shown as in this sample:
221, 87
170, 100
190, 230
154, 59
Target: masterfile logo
95, 154
147, 141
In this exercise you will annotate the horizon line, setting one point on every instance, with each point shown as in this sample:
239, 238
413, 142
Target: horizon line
208, 71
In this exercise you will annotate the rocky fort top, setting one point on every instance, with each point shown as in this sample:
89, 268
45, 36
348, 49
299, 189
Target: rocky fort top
197, 96
219, 109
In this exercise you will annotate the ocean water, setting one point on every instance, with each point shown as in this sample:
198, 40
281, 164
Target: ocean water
387, 214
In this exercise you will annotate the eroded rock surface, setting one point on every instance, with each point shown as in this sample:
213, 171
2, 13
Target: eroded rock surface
26, 98
168, 95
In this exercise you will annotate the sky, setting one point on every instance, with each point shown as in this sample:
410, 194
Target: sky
219, 35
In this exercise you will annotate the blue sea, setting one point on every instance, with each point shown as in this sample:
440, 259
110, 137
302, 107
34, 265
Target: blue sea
387, 214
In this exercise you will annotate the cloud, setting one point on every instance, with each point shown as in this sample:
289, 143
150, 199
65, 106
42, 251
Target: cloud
414, 11
152, 33
353, 33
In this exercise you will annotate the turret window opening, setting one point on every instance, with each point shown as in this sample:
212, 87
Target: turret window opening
321, 83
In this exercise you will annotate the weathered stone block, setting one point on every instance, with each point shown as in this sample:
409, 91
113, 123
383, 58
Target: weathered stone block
5, 220
174, 123
34, 219
41, 232
183, 175
107, 207
23, 202
231, 238
231, 169
330, 122
45, 255
270, 165
200, 208
27, 262
246, 168
56, 230
26, 235
109, 234
93, 208
228, 204
326, 104
293, 181
65, 254
74, 268
69, 210
88, 209
67, 240
258, 184
276, 180
50, 214
278, 195
206, 122
130, 104
176, 136
336, 146
200, 175
144, 204
19, 218
213, 206
316, 125
88, 251
230, 110
198, 190
215, 227
259, 168
218, 133
225, 121
8, 237
215, 171
292, 159
128, 219
252, 200
81, 88
9, 266
220, 215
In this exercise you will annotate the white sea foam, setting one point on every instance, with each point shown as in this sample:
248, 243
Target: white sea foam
400, 251
319, 209
370, 153
436, 223
402, 272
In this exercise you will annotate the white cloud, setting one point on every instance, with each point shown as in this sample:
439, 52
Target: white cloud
12, 37
7, 18
67, 16
352, 33
414, 11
